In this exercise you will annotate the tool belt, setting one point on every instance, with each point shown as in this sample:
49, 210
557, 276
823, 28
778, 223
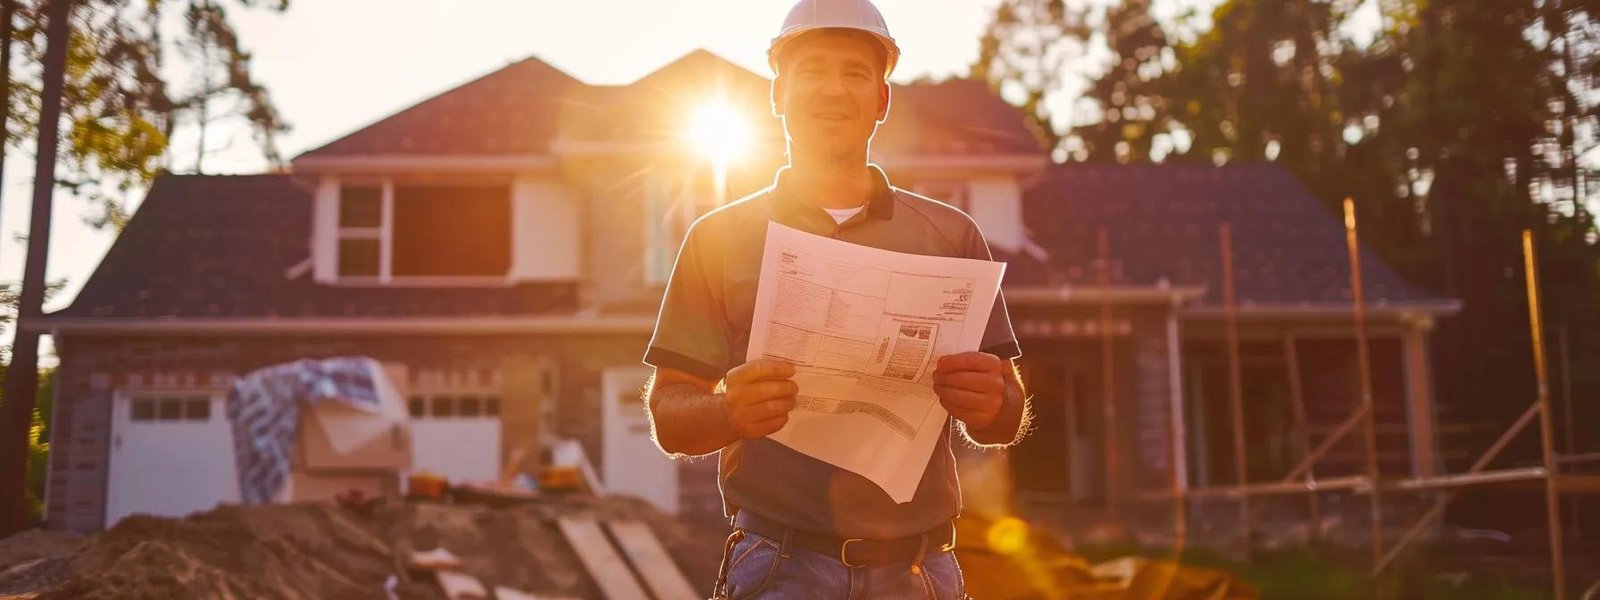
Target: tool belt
853, 552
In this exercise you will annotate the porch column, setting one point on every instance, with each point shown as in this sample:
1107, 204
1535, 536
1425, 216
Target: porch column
1420, 414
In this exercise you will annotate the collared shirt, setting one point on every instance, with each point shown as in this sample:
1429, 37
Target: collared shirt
704, 330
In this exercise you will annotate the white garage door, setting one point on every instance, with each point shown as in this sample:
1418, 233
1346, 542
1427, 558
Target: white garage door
456, 436
171, 454
633, 464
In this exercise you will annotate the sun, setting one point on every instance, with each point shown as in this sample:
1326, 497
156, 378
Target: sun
720, 133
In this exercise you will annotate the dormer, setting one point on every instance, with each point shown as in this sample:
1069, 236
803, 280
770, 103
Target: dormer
444, 230
459, 190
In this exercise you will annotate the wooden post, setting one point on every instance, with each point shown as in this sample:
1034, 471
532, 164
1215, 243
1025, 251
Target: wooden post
1235, 382
1364, 365
1297, 397
1176, 436
522, 396
1420, 414
1567, 419
1558, 567
1108, 378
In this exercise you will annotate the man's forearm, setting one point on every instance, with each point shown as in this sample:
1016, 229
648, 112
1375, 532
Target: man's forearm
1012, 422
688, 420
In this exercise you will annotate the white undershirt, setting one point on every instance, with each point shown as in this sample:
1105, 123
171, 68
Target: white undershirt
840, 215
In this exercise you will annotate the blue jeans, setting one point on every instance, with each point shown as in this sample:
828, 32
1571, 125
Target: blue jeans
760, 567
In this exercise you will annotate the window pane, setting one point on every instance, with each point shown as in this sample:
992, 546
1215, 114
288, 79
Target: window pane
419, 407
452, 231
144, 409
470, 406
361, 206
491, 407
171, 409
197, 409
358, 258
444, 406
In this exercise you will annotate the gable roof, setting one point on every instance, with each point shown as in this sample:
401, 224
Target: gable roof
526, 107
1161, 225
227, 246
653, 109
514, 110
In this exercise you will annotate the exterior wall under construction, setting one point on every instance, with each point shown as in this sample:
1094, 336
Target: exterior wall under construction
545, 384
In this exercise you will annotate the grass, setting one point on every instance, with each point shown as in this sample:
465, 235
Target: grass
1315, 573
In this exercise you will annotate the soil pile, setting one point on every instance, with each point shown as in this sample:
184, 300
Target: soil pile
318, 550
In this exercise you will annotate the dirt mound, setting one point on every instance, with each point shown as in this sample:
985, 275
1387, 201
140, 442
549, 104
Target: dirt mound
323, 551
35, 544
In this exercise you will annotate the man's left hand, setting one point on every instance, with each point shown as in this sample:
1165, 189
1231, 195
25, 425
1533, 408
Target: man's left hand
972, 387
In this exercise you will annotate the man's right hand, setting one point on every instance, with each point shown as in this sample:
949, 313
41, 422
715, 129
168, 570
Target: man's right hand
759, 397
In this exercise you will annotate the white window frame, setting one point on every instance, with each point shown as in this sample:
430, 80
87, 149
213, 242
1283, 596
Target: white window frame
183, 395
384, 233
454, 398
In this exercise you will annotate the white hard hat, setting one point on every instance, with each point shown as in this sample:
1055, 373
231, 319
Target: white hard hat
810, 15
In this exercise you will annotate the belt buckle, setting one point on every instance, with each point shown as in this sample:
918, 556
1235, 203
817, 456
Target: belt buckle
844, 548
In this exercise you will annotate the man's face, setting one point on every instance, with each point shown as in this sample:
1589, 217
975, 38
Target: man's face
830, 92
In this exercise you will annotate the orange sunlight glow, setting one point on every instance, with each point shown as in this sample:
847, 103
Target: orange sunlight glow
720, 133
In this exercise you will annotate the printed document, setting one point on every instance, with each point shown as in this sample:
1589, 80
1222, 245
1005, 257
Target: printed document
864, 328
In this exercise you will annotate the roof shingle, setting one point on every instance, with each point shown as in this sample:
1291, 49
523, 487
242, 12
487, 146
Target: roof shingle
1162, 223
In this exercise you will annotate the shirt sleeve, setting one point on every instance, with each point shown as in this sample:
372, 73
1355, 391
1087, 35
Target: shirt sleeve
998, 339
691, 332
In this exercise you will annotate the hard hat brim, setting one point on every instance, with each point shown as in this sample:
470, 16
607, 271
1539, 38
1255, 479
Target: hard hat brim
890, 48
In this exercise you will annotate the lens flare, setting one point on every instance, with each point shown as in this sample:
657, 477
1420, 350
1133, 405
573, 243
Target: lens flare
720, 133
1008, 536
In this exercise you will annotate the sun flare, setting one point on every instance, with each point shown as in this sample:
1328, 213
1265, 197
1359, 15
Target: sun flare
720, 133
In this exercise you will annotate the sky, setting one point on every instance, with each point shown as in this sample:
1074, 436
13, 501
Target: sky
334, 66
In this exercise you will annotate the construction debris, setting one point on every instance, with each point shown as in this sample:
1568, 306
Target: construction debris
461, 586
546, 548
1007, 560
435, 559
319, 550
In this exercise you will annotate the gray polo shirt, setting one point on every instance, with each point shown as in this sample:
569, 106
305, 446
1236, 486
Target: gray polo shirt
704, 330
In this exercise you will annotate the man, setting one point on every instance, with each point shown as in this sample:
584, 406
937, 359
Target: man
804, 528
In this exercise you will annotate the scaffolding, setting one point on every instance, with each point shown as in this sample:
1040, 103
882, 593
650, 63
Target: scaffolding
1302, 479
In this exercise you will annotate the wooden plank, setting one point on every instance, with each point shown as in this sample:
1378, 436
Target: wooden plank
605, 566
652, 561
1333, 484
461, 586
1467, 479
1579, 484
504, 593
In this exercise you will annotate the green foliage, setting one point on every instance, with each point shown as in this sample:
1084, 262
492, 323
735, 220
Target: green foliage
122, 103
39, 445
1033, 49
38, 442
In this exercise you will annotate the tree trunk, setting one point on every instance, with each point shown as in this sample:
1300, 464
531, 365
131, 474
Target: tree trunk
22, 375
8, 12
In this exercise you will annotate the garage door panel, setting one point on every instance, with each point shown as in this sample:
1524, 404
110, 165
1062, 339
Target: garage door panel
632, 463
171, 455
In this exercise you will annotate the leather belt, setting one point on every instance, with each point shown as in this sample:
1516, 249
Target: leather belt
853, 552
